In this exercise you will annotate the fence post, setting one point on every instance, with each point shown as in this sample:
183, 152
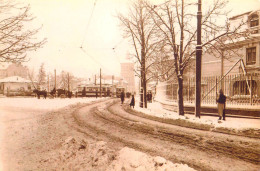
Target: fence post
239, 88
189, 90
216, 87
251, 90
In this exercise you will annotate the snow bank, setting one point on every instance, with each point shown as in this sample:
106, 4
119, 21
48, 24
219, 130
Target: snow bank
156, 109
130, 160
78, 154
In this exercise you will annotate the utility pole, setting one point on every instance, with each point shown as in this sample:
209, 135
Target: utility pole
48, 83
112, 90
95, 80
55, 79
68, 82
198, 62
100, 84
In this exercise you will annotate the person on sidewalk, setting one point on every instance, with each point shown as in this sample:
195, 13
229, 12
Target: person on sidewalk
132, 101
122, 96
221, 104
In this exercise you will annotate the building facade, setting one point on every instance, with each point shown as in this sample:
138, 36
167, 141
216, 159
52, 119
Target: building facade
237, 69
127, 73
246, 49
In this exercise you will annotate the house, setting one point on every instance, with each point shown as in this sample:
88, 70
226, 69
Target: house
13, 69
237, 69
246, 48
15, 85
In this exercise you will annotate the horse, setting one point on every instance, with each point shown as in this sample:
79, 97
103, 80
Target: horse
69, 94
53, 92
39, 93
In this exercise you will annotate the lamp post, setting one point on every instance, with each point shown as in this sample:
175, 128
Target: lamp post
198, 62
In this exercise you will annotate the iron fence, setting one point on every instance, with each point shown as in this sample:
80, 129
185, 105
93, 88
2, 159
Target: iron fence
240, 89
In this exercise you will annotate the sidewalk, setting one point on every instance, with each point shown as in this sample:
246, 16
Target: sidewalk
243, 111
156, 109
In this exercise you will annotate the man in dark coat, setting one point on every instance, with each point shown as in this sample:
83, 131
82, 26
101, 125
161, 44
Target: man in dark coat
132, 101
122, 96
84, 92
221, 104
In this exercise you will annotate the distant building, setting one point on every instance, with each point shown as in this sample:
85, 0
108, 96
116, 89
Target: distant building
14, 69
127, 73
15, 85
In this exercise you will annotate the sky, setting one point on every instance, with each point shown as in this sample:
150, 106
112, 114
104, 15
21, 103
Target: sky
84, 35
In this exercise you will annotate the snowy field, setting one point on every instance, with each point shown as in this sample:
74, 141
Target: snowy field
18, 109
155, 109
41, 104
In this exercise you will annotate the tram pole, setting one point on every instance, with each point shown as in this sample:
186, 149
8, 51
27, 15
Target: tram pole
198, 62
100, 84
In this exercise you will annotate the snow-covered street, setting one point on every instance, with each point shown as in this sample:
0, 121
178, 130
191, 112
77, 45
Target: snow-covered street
30, 131
45, 134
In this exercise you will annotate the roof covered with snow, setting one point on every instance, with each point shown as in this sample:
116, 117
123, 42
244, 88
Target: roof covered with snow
14, 79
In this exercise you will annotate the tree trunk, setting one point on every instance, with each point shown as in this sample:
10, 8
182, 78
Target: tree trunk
180, 96
145, 91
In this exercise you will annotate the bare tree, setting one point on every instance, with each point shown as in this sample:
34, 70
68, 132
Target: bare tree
138, 26
41, 77
15, 38
176, 21
31, 75
66, 80
162, 68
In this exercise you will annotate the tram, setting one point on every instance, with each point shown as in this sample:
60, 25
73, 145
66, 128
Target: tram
93, 91
119, 90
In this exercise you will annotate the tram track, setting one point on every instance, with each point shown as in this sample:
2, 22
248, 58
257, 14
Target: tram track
108, 121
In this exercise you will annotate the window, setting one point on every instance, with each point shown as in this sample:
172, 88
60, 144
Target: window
251, 56
241, 87
254, 20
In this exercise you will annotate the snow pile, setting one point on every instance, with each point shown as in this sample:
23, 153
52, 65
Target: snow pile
130, 159
80, 155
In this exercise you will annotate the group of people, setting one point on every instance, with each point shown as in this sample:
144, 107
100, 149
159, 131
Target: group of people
122, 96
132, 103
221, 102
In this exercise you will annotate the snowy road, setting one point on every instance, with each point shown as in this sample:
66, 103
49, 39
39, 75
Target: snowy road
34, 140
203, 150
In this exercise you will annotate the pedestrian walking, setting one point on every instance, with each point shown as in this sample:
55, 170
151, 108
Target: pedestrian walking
84, 92
122, 96
221, 104
132, 103
148, 96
